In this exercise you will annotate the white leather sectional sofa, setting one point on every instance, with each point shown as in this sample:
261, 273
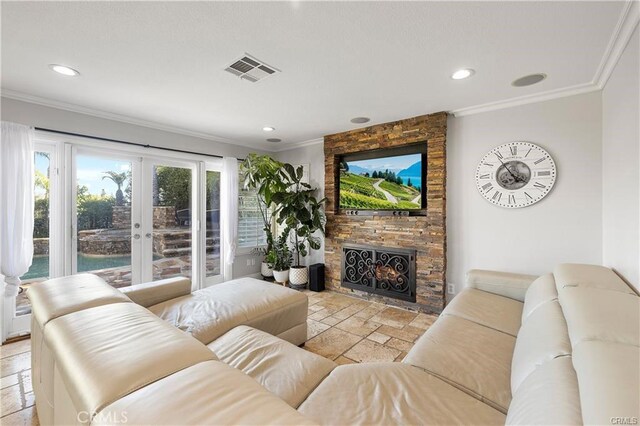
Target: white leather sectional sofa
563, 348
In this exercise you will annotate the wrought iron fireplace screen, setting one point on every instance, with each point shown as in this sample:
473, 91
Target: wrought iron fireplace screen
389, 272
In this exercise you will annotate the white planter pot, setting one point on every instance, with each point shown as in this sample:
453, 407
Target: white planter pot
281, 276
265, 270
298, 277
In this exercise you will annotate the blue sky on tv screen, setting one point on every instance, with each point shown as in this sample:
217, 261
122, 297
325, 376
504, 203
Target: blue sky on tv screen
394, 164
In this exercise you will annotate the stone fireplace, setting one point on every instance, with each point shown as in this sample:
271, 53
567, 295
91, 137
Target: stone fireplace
422, 233
378, 270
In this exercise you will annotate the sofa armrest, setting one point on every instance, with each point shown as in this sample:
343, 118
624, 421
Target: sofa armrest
506, 284
149, 294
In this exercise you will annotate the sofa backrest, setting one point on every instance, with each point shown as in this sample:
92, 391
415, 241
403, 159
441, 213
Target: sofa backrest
109, 358
106, 352
603, 318
57, 297
577, 358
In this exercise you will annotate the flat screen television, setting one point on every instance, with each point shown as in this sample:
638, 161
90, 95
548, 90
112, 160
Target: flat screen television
390, 179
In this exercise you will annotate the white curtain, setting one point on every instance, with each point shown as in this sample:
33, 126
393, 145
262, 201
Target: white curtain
229, 194
16, 190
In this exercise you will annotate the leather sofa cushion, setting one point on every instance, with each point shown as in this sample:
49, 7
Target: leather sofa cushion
152, 293
61, 296
470, 356
543, 337
393, 393
540, 291
209, 313
284, 369
488, 309
588, 276
209, 393
506, 284
609, 377
106, 352
548, 396
595, 314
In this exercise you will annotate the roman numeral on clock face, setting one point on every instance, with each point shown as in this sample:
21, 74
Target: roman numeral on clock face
539, 160
485, 176
497, 153
528, 152
514, 150
544, 173
496, 196
529, 197
487, 186
539, 185
487, 164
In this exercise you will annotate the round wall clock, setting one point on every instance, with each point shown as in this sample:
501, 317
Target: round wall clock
516, 174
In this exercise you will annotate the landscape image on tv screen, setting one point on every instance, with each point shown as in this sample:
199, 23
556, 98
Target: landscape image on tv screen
391, 183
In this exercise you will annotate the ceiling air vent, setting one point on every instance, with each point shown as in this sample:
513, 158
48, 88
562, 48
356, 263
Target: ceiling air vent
251, 69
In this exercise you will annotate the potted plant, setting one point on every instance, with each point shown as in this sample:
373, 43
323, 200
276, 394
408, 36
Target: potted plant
262, 174
303, 217
279, 258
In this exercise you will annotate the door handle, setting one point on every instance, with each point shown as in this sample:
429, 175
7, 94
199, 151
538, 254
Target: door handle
136, 236
148, 235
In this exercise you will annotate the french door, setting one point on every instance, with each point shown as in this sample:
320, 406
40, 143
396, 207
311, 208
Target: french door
125, 215
141, 219
105, 221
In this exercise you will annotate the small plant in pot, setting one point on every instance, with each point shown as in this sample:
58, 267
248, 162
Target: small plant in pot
303, 217
279, 259
262, 174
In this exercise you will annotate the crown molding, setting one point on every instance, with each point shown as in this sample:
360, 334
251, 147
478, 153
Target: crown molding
527, 99
295, 145
619, 39
19, 96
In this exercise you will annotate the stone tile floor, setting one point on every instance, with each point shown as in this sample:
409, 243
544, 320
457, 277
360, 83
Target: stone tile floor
342, 328
15, 380
350, 330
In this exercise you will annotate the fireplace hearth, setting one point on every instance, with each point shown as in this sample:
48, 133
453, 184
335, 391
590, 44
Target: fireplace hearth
389, 272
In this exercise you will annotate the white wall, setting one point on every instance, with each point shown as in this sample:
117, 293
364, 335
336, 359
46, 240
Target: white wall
621, 165
58, 119
313, 155
566, 226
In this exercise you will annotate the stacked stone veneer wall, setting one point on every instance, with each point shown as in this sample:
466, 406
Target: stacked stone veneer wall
425, 233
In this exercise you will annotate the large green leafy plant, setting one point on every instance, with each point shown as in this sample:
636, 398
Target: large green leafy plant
262, 174
279, 257
300, 211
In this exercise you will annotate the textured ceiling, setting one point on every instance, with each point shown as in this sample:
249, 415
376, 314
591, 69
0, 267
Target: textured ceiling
163, 62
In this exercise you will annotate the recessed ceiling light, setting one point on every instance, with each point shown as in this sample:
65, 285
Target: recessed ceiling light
462, 74
360, 120
61, 69
268, 129
528, 80
274, 140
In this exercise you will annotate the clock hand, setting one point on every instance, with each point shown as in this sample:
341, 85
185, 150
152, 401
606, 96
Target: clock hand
510, 172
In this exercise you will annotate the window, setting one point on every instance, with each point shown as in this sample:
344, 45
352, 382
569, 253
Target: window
250, 227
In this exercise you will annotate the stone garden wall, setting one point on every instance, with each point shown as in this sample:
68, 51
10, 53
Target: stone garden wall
163, 217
